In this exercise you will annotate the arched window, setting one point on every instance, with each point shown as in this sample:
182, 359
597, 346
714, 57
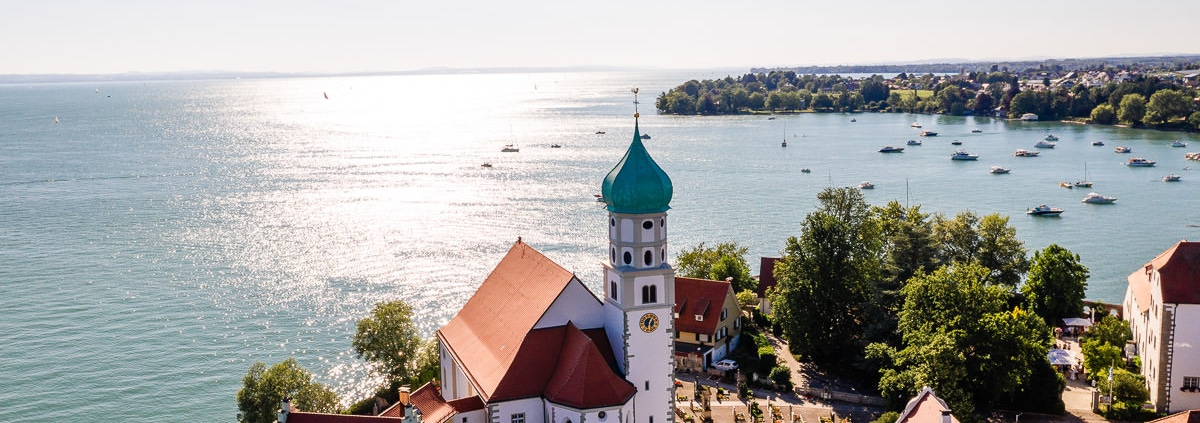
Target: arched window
614, 254
648, 258
649, 294
612, 291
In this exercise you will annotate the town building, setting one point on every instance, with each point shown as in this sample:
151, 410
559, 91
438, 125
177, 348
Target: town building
1189, 416
708, 322
766, 281
926, 407
1162, 305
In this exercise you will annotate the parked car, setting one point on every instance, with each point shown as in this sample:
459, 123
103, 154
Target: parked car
725, 365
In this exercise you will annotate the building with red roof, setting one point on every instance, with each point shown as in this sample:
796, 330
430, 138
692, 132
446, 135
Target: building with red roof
707, 322
926, 408
766, 281
535, 345
1162, 305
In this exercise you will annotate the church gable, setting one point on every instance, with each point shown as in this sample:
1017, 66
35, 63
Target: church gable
576, 304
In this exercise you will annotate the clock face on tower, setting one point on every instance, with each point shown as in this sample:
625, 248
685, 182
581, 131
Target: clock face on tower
649, 322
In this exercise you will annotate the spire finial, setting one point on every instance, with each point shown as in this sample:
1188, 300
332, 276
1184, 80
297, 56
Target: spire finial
635, 102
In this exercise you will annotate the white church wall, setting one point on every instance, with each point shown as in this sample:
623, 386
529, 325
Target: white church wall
576, 304
528, 410
1186, 360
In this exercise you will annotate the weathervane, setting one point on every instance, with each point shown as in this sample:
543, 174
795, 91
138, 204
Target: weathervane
635, 102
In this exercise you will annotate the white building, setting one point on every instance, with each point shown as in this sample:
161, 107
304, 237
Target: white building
1162, 305
534, 345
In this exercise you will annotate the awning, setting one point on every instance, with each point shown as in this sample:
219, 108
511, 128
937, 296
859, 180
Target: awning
1061, 358
1077, 321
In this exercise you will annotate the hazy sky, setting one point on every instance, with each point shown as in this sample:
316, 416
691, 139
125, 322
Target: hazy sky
50, 36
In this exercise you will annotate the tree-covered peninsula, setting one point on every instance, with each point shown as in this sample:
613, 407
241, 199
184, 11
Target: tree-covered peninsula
1129, 95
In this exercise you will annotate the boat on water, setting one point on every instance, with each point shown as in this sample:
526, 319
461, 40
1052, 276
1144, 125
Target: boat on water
486, 164
976, 131
914, 142
956, 142
854, 120
599, 198
1094, 198
866, 185
1179, 144
915, 125
1140, 162
645, 136
890, 149
963, 155
783, 144
1192, 155
1044, 144
555, 145
599, 132
509, 148
805, 170
1044, 210
928, 134
1050, 137
1000, 170
1021, 152
1066, 185
1083, 183
1122, 149
1172, 178
1098, 143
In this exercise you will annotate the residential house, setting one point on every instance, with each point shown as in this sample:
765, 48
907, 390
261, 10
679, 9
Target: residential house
766, 281
1162, 305
708, 322
926, 408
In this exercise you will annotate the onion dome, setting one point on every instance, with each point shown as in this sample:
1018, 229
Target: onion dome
637, 185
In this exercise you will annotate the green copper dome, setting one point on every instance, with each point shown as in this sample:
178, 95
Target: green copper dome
637, 185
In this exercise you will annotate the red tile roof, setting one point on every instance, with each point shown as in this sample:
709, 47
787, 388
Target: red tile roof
1179, 272
925, 408
428, 399
583, 378
1190, 416
696, 296
766, 275
303, 417
1139, 285
490, 331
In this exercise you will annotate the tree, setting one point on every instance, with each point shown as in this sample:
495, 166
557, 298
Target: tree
825, 291
726, 260
990, 241
263, 389
1104, 114
984, 103
1056, 284
1194, 120
747, 299
1165, 105
1110, 330
387, 339
1132, 109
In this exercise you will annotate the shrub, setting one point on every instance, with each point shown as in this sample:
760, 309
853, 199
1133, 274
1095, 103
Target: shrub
782, 376
888, 417
766, 358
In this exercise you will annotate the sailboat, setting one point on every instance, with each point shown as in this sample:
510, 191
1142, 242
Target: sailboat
1084, 183
784, 143
510, 148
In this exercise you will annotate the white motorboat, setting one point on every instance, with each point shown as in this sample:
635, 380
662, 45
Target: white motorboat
1000, 170
963, 155
1044, 144
1044, 210
1140, 162
1179, 144
1172, 178
1051, 137
1094, 198
914, 142
890, 149
866, 185
1021, 152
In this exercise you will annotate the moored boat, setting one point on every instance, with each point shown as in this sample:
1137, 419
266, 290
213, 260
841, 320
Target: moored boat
1172, 178
1140, 162
866, 185
976, 131
1179, 144
914, 142
1094, 198
956, 142
1122, 149
509, 148
1044, 210
1051, 137
1098, 143
890, 149
1000, 170
963, 155
928, 134
915, 125
1044, 144
1021, 152
1066, 185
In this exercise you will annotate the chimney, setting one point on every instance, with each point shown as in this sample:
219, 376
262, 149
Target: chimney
945, 417
404, 391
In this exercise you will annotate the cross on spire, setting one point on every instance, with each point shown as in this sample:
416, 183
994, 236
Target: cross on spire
635, 102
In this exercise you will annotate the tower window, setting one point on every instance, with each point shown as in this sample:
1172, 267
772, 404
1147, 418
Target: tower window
612, 292
518, 418
649, 294
662, 256
648, 258
612, 222
662, 222
614, 254
647, 224
628, 257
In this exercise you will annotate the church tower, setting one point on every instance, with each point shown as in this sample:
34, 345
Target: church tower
639, 284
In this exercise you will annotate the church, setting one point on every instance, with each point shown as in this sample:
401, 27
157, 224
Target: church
535, 345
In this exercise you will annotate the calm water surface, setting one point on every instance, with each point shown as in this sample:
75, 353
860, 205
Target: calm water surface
163, 236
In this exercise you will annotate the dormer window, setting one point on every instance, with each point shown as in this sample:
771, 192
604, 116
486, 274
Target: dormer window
699, 317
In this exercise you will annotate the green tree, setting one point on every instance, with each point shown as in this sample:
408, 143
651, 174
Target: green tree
1194, 120
387, 339
429, 364
990, 241
1126, 387
1110, 330
747, 299
1056, 284
263, 389
874, 89
1165, 105
825, 291
726, 260
1098, 357
1132, 109
822, 102
1024, 102
1104, 114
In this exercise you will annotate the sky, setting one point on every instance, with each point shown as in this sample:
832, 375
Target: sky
119, 36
